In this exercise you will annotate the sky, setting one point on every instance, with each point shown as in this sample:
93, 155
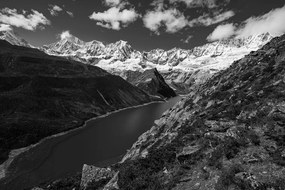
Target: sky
145, 24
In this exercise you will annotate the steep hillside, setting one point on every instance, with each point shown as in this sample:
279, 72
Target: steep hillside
151, 82
41, 95
228, 134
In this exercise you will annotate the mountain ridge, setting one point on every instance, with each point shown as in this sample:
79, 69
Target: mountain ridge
182, 69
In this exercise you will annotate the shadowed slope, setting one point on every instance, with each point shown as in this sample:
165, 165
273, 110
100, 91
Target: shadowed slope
41, 95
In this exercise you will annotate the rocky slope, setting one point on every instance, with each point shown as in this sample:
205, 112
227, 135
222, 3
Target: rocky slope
41, 95
181, 68
13, 38
227, 134
150, 81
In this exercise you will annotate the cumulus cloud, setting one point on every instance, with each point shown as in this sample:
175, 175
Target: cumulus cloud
272, 22
54, 10
172, 19
222, 32
206, 20
27, 21
5, 27
65, 34
115, 18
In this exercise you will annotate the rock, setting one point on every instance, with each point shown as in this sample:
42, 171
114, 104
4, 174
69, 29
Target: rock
188, 150
93, 174
151, 82
113, 183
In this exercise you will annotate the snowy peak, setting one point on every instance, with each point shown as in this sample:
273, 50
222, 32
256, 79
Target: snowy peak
66, 45
73, 46
74, 40
13, 38
218, 54
120, 50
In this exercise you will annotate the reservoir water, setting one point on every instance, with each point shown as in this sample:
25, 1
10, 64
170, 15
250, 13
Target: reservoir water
102, 140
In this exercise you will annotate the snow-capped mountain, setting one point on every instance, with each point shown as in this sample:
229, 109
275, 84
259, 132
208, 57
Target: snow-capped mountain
181, 68
201, 56
89, 51
13, 38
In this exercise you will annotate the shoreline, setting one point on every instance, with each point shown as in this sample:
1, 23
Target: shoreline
17, 152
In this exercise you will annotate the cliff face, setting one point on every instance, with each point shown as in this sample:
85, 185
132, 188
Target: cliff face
227, 134
41, 95
151, 82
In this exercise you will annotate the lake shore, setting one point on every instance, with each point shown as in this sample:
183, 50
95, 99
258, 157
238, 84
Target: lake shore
4, 167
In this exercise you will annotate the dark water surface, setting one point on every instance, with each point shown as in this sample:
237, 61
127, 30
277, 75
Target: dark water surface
102, 139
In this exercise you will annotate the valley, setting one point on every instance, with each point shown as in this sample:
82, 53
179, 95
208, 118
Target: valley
42, 95
94, 115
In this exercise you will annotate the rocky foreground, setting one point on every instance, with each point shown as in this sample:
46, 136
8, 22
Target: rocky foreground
41, 95
228, 134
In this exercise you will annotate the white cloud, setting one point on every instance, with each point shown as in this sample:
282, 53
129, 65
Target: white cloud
114, 18
27, 21
70, 13
206, 20
172, 19
5, 27
272, 22
54, 10
222, 32
65, 34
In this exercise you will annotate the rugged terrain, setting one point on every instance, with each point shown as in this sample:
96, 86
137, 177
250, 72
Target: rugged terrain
227, 134
13, 38
151, 82
182, 69
41, 95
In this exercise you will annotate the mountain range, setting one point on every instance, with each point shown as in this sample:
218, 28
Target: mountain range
182, 69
